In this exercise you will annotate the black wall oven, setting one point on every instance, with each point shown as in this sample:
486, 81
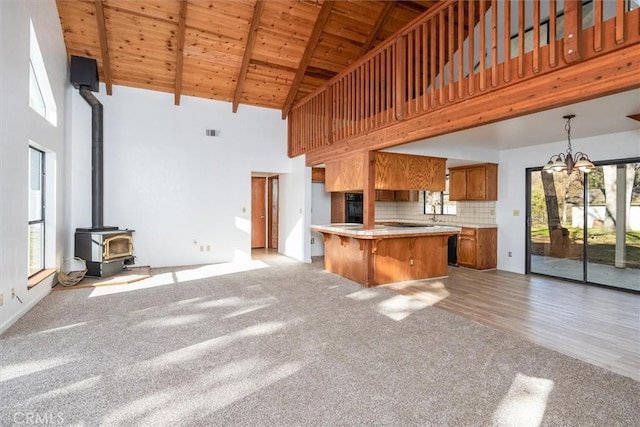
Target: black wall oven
353, 207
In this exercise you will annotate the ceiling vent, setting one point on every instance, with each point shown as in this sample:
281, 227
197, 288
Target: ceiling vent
213, 132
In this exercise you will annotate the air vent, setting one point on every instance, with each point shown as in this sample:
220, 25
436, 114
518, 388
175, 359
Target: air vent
213, 132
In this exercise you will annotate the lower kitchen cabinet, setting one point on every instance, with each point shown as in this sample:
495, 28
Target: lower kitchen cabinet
478, 248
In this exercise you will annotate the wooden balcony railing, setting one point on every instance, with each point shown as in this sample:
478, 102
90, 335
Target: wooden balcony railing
457, 51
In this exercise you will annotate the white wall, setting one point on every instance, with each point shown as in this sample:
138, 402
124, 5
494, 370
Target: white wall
19, 125
295, 193
512, 188
320, 214
171, 183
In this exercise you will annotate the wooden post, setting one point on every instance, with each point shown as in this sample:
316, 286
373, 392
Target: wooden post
572, 30
369, 191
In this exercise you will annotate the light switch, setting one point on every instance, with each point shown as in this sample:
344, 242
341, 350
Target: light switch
516, 212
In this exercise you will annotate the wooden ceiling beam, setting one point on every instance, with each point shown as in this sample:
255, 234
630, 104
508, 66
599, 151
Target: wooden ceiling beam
248, 51
318, 28
378, 26
104, 46
182, 23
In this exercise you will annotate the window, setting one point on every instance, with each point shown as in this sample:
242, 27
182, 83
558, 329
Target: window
41, 98
36, 211
439, 201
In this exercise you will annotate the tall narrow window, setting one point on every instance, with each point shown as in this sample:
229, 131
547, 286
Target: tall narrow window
40, 94
36, 211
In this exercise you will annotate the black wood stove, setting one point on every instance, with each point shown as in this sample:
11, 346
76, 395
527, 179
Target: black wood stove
105, 249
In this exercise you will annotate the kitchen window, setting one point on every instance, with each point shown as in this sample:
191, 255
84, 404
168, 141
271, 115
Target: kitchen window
439, 202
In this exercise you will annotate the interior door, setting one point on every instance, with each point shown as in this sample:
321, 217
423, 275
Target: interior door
258, 213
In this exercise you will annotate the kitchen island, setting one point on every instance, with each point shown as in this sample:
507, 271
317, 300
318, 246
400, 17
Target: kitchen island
387, 254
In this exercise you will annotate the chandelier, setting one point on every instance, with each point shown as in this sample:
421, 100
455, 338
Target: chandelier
566, 162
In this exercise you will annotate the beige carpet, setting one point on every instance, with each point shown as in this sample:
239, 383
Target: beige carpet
286, 344
131, 275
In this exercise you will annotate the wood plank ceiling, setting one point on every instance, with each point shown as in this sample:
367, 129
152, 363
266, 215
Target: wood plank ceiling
268, 53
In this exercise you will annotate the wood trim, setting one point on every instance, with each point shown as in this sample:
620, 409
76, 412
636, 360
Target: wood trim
602, 75
104, 46
382, 19
182, 20
248, 51
318, 28
40, 277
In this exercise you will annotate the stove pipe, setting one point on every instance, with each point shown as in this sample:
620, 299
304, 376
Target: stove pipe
97, 174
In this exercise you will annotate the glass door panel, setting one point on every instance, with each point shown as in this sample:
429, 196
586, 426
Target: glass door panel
613, 220
556, 226
597, 242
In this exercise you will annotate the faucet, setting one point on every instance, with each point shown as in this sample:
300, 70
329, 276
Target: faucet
433, 217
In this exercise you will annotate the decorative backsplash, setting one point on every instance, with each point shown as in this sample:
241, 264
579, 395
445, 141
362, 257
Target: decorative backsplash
466, 212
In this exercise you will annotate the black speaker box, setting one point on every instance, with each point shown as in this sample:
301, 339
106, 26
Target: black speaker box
84, 72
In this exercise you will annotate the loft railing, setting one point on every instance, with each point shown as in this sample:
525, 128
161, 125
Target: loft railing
455, 51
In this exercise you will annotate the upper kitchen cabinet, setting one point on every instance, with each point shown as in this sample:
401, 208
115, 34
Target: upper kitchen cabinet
317, 175
397, 196
476, 182
393, 171
408, 172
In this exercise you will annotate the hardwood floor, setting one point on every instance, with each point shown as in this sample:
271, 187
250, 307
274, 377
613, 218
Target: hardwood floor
597, 325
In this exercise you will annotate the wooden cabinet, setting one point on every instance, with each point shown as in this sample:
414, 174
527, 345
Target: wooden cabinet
392, 171
476, 182
397, 196
338, 211
407, 195
477, 248
317, 174
396, 171
385, 196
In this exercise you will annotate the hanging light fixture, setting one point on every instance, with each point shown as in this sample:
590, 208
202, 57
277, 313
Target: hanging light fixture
566, 161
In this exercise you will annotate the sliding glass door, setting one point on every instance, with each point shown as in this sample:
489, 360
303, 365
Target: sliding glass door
586, 227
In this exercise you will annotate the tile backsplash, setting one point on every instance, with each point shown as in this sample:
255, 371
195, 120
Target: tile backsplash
466, 212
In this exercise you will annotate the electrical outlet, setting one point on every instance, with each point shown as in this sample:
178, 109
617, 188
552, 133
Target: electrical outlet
510, 255
201, 248
1, 299
411, 261
492, 212
208, 248
313, 240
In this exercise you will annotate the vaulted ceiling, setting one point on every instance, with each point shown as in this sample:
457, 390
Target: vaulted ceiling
269, 53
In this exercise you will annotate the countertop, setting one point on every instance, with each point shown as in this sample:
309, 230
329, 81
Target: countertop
382, 230
429, 222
